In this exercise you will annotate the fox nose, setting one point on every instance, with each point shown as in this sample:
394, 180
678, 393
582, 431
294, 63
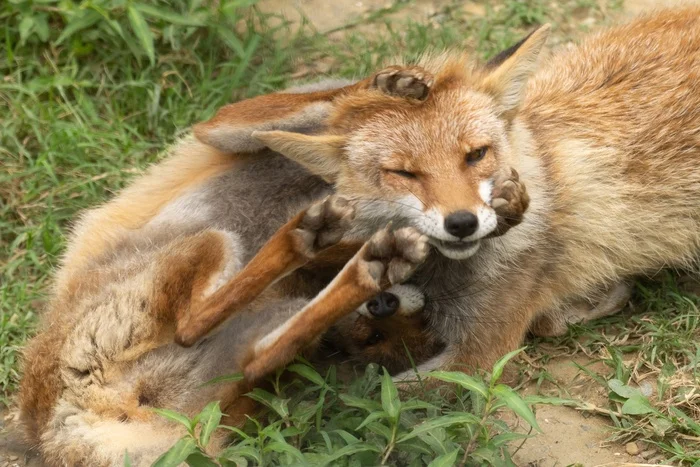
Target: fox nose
383, 305
461, 223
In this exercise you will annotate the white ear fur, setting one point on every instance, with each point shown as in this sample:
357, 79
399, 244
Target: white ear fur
319, 154
512, 68
238, 137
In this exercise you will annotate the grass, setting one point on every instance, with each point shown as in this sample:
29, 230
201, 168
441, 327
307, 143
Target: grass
91, 91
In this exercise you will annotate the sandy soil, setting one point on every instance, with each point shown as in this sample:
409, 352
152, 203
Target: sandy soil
569, 436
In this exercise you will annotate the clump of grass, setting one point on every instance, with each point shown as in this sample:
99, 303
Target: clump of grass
316, 420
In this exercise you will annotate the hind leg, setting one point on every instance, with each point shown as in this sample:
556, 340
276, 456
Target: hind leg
556, 322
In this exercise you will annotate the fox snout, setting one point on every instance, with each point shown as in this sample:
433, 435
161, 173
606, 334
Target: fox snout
383, 305
461, 224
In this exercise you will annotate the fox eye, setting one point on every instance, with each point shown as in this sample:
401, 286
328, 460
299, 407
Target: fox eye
375, 338
476, 155
403, 173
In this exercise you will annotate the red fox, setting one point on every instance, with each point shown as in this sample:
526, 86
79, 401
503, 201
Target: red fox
605, 135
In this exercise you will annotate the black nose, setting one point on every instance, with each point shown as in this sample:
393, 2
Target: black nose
383, 305
461, 224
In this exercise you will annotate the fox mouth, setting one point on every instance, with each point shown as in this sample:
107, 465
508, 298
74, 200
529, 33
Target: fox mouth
457, 249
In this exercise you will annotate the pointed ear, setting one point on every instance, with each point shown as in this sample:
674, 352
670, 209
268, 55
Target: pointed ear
319, 154
301, 109
507, 73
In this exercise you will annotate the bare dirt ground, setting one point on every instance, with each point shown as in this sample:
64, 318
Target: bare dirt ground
570, 436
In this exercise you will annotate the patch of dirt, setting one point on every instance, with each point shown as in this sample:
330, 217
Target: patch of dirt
14, 451
570, 436
327, 16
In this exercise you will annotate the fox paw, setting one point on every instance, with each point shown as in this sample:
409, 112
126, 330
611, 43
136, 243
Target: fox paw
412, 82
510, 201
323, 225
390, 257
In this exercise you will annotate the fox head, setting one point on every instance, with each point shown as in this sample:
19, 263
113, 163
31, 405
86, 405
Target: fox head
431, 164
391, 330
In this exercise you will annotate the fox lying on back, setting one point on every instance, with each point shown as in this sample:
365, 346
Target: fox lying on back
202, 236
605, 135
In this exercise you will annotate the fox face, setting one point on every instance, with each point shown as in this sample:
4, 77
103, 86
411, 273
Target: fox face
391, 330
431, 164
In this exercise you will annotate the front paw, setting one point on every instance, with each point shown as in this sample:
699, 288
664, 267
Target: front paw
390, 257
409, 82
323, 225
510, 201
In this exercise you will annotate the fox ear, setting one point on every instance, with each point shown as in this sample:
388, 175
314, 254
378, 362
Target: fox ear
230, 130
319, 154
507, 73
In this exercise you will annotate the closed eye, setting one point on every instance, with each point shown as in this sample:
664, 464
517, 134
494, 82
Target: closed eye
402, 173
375, 338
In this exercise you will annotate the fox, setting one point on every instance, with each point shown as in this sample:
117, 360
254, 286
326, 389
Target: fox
229, 244
605, 135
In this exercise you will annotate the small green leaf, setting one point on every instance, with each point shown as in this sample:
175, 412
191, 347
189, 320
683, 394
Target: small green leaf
80, 21
446, 460
416, 405
503, 438
446, 420
621, 389
172, 415
366, 404
168, 16
347, 437
382, 430
661, 425
25, 28
239, 451
308, 373
41, 27
142, 31
229, 38
390, 397
270, 400
349, 451
515, 403
198, 459
500, 364
177, 454
225, 379
283, 447
637, 405
464, 380
127, 459
209, 419
372, 417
